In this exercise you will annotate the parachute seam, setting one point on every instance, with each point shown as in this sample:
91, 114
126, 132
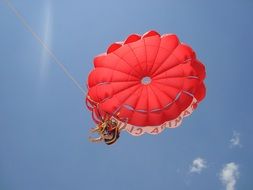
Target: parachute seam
156, 96
175, 77
111, 82
173, 102
159, 47
118, 71
131, 86
137, 99
154, 86
162, 62
125, 62
179, 64
170, 85
146, 65
138, 110
172, 98
135, 57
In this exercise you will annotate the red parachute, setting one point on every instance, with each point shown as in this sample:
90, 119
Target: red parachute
150, 81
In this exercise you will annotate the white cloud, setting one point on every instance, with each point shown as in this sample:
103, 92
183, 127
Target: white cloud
235, 140
229, 175
197, 165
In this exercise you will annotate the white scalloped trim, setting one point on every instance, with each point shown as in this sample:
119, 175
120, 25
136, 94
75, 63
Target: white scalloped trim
154, 130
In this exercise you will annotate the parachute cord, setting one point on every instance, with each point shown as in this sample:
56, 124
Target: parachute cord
43, 44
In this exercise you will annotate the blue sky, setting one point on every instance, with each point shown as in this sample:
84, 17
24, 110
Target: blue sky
44, 123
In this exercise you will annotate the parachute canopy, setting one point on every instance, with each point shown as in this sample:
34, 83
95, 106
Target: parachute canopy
150, 81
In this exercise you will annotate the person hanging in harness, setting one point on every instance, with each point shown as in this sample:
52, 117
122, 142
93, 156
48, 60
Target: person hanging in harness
108, 131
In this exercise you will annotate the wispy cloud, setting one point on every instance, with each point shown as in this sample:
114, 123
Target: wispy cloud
229, 175
235, 140
198, 165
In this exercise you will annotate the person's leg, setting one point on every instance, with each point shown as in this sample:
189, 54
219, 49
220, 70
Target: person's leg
99, 139
93, 130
